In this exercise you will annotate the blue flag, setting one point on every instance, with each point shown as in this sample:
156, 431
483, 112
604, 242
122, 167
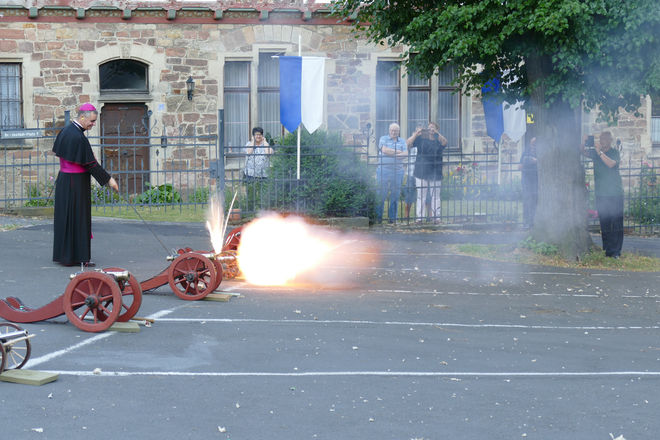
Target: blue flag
493, 112
302, 81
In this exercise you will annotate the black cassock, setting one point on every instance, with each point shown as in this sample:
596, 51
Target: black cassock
73, 205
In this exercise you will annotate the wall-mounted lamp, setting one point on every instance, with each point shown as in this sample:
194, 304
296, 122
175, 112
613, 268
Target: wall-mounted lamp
367, 131
190, 87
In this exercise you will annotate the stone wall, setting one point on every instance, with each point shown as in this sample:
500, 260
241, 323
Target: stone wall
61, 49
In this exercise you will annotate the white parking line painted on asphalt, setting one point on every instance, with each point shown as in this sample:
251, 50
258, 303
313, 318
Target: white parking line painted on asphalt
47, 357
450, 375
239, 286
406, 323
572, 295
481, 271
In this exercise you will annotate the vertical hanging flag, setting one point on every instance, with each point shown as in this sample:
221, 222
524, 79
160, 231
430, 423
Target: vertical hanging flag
514, 118
493, 109
302, 83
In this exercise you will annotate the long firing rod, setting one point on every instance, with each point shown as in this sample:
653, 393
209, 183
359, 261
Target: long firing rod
149, 227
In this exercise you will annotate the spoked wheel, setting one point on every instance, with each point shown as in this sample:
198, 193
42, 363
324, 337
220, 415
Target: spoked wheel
131, 295
3, 355
218, 273
92, 301
14, 355
192, 276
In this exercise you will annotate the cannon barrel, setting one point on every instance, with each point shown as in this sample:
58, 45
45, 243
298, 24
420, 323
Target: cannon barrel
118, 275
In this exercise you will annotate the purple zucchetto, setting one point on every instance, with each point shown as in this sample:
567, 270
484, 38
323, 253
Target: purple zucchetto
87, 107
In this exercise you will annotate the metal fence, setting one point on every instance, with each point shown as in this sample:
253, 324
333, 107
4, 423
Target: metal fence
182, 171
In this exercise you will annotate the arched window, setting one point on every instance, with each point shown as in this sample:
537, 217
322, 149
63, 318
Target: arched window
122, 76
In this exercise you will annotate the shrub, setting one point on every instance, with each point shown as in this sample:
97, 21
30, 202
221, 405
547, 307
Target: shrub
333, 180
644, 204
164, 193
103, 195
41, 194
201, 195
541, 248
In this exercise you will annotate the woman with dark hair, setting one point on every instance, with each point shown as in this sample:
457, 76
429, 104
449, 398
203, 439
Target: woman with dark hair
258, 150
429, 144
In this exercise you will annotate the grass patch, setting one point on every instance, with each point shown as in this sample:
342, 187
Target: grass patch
178, 213
9, 227
594, 259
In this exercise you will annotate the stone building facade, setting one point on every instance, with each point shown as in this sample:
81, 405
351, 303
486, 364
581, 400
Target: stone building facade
58, 52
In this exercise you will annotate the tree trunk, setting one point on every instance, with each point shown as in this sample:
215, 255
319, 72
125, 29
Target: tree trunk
561, 216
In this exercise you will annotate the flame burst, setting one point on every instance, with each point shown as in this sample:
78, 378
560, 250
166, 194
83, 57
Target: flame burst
277, 250
215, 223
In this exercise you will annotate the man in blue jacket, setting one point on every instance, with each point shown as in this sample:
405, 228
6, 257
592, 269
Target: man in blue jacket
392, 157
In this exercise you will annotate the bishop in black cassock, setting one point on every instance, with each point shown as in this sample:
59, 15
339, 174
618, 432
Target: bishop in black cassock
73, 205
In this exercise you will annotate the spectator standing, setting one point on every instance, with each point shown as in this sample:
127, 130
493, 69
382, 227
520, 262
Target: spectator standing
257, 151
410, 188
428, 170
608, 191
392, 157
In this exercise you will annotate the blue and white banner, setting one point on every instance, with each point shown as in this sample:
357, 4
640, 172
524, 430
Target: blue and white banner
302, 84
502, 117
493, 108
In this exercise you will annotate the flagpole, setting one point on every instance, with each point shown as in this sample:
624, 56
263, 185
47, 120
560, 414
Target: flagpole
299, 126
499, 163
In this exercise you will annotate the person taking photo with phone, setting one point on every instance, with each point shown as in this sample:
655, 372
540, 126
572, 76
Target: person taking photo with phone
608, 191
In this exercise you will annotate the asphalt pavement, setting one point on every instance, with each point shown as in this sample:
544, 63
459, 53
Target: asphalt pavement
419, 344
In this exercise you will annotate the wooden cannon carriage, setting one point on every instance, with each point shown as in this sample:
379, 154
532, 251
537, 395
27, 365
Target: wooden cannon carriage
92, 301
15, 346
192, 275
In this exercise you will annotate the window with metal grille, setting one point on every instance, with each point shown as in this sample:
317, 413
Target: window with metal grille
122, 76
11, 97
655, 120
449, 107
388, 91
237, 103
268, 94
419, 101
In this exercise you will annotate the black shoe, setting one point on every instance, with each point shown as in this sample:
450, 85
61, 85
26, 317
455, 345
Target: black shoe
89, 264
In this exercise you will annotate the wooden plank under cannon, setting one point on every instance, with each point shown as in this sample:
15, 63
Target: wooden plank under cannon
125, 327
222, 297
28, 377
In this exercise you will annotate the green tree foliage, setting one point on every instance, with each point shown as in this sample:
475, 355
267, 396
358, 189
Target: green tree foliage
604, 52
557, 55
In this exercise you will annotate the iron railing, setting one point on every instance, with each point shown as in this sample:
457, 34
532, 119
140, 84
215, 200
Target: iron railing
179, 171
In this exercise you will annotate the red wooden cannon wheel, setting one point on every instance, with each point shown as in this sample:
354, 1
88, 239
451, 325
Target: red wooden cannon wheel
192, 276
92, 301
131, 295
3, 355
233, 239
218, 273
14, 355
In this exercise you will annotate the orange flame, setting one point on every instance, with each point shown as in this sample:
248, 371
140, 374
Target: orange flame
277, 250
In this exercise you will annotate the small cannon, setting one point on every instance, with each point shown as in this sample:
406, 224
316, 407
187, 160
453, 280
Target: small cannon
15, 346
194, 274
93, 301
